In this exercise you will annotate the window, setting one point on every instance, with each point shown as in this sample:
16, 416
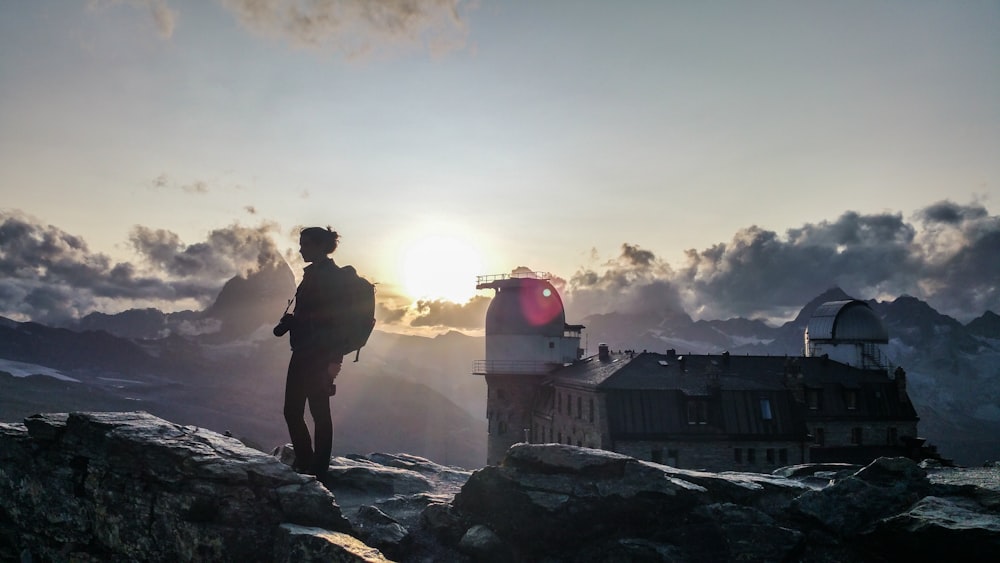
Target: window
891, 436
738, 455
851, 399
579, 407
814, 399
697, 411
765, 409
856, 436
552, 345
783, 456
501, 428
819, 437
656, 456
559, 402
501, 394
591, 410
770, 455
559, 440
751, 455
569, 405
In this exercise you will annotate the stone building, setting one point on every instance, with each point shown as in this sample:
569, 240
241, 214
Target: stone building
841, 401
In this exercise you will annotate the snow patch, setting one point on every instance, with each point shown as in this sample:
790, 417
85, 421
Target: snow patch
22, 369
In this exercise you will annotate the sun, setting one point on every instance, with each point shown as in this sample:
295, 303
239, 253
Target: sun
440, 267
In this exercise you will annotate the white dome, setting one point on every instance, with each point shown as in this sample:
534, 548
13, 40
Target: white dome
846, 321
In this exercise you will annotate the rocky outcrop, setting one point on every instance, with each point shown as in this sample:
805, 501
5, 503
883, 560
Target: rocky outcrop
564, 503
130, 486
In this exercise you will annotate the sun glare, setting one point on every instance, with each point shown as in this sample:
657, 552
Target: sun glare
440, 267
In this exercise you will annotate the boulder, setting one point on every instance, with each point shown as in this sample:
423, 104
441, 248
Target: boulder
853, 505
940, 529
554, 500
131, 486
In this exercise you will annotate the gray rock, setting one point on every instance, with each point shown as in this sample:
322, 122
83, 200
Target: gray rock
480, 543
852, 505
380, 530
935, 528
117, 486
551, 499
298, 543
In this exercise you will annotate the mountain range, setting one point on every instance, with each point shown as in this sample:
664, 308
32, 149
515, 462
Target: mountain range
222, 369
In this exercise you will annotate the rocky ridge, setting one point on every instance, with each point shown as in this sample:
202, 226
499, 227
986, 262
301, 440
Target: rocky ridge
131, 486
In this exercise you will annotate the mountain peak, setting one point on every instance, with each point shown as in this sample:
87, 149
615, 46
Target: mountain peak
986, 325
832, 294
248, 301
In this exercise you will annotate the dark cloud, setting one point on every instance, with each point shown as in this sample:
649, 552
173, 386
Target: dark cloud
389, 315
635, 281
947, 255
355, 27
470, 315
52, 276
951, 213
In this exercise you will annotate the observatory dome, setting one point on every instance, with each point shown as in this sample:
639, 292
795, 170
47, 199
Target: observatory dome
846, 321
525, 306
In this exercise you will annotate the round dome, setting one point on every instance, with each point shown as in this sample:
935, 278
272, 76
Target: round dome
851, 320
526, 306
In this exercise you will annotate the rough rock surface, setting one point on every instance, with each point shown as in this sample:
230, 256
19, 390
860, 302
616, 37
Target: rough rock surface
130, 486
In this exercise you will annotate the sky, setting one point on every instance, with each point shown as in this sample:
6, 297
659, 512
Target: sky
729, 158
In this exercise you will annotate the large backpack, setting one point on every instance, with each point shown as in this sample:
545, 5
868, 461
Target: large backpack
359, 310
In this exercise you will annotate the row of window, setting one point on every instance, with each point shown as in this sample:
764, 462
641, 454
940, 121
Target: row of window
579, 406
814, 399
769, 455
697, 410
539, 436
858, 436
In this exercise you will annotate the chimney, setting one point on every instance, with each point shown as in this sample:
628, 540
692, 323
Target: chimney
671, 353
900, 377
603, 353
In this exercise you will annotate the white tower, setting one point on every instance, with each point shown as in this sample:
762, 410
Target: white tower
849, 332
526, 338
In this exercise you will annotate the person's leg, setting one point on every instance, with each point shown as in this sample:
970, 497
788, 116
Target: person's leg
296, 389
319, 407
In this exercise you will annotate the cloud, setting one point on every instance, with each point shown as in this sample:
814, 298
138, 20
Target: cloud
355, 28
52, 276
635, 281
386, 314
946, 255
164, 182
437, 313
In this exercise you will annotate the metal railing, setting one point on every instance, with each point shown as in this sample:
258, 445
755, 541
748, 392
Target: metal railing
499, 277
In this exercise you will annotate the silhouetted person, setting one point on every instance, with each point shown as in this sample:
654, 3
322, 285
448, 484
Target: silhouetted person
317, 350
